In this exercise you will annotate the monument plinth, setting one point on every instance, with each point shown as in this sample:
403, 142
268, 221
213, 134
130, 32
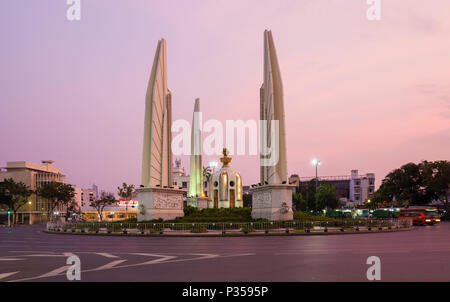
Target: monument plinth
155, 203
272, 202
272, 199
156, 197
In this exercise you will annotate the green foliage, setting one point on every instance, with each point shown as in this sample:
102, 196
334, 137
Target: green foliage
126, 192
326, 197
198, 228
301, 216
57, 194
247, 200
14, 195
105, 199
415, 184
188, 210
93, 227
216, 215
299, 202
382, 214
338, 215
309, 194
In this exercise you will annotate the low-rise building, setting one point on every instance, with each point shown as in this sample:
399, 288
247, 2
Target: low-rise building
353, 189
34, 176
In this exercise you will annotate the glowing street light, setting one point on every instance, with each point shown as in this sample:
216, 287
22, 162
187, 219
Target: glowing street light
315, 162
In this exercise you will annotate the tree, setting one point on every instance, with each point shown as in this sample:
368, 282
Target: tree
415, 184
299, 202
309, 194
57, 194
326, 197
247, 200
15, 195
71, 208
105, 199
207, 173
437, 182
126, 192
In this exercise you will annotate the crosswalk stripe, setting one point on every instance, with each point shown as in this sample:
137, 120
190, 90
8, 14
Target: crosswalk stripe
6, 275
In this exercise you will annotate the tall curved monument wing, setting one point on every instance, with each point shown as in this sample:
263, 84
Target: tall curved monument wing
157, 196
157, 152
272, 198
196, 172
272, 109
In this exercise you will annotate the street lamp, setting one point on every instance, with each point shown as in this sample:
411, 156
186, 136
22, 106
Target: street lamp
29, 218
315, 162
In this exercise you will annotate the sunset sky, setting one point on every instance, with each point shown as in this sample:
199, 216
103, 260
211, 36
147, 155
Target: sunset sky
359, 94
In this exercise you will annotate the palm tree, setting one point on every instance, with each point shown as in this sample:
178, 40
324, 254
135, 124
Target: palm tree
207, 173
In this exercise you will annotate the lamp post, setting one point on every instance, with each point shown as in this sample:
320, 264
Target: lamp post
316, 163
29, 217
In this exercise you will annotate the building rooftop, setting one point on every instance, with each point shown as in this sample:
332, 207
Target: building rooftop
47, 166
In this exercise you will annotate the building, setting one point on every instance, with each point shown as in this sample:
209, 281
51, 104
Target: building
182, 181
361, 186
120, 211
354, 189
34, 176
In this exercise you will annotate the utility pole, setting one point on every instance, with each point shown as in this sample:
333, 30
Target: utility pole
316, 163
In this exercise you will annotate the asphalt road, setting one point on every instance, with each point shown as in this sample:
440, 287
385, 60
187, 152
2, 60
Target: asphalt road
423, 254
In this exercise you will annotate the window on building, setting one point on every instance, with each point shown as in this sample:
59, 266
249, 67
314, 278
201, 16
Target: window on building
185, 184
357, 183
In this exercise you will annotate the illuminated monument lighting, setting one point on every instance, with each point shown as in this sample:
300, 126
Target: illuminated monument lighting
196, 196
156, 198
273, 199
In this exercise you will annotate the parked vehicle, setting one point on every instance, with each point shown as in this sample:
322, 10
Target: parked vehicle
420, 216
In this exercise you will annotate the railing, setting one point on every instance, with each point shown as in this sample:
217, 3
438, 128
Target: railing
232, 227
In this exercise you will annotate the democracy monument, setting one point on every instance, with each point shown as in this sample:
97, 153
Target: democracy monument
272, 197
158, 198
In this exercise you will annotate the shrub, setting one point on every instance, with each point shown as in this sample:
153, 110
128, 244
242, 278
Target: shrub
198, 228
93, 227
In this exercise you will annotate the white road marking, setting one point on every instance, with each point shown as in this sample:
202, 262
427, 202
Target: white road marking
6, 275
107, 255
160, 259
52, 255
109, 265
115, 265
10, 259
54, 272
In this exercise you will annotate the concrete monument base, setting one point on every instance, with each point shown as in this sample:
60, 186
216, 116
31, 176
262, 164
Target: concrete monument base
155, 203
272, 202
198, 202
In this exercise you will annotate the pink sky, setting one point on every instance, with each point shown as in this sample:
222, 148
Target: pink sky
358, 94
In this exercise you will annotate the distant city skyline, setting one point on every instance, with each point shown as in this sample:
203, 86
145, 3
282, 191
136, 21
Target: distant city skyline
358, 94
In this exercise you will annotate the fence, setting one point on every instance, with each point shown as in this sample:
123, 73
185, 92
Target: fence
230, 228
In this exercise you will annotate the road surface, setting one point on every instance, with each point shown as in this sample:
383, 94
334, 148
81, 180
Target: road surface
423, 254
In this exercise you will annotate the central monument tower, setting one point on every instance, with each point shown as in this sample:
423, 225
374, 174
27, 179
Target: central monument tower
157, 196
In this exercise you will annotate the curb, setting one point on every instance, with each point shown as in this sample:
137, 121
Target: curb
232, 235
